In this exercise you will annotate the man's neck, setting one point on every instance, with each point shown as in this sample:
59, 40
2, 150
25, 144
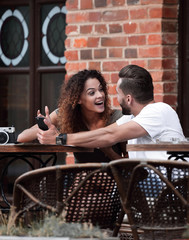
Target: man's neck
138, 107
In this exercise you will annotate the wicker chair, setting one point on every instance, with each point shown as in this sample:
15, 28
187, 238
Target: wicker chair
87, 193
155, 197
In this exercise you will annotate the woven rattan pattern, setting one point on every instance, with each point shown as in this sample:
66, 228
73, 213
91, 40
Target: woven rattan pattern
154, 196
85, 191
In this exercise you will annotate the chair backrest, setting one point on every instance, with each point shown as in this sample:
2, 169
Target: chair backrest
87, 192
154, 195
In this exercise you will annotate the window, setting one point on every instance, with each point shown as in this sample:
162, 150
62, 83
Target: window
31, 59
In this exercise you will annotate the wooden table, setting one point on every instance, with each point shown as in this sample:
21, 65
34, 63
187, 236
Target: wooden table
31, 154
40, 148
175, 151
163, 146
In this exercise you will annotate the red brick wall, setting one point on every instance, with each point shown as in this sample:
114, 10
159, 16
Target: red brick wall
108, 34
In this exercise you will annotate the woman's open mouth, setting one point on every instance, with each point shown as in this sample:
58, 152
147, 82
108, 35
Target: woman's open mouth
99, 103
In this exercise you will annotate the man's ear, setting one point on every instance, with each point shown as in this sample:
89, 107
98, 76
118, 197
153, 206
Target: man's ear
79, 102
129, 99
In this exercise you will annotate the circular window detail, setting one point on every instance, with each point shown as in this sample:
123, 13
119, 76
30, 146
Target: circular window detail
53, 30
13, 38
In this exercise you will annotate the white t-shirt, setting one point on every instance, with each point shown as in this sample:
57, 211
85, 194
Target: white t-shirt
161, 122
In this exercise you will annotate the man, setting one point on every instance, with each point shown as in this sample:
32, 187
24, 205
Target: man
148, 121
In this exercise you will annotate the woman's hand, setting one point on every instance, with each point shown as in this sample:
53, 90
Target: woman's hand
49, 136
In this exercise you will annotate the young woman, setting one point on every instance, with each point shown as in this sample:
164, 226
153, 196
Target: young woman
83, 106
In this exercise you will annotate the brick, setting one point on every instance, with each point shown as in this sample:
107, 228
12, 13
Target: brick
154, 39
170, 12
130, 28
137, 40
71, 4
138, 14
171, 1
70, 158
115, 52
114, 66
115, 102
151, 2
70, 29
170, 99
132, 2
169, 63
116, 15
114, 77
94, 17
100, 53
80, 43
131, 53
77, 17
95, 65
158, 88
118, 2
158, 97
93, 42
150, 52
86, 4
101, 28
169, 26
112, 89
99, 3
71, 55
86, 54
67, 43
75, 67
106, 77
115, 28
170, 87
156, 12
150, 26
169, 38
155, 64
157, 75
113, 42
86, 29
67, 77
169, 75
139, 62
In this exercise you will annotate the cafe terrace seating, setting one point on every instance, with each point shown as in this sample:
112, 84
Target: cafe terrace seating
86, 192
155, 197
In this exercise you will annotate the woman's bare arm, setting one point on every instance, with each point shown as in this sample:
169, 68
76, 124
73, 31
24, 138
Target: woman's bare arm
30, 134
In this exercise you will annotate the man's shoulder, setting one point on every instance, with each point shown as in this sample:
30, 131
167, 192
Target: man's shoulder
158, 106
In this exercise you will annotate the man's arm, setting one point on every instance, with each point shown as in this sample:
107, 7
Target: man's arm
108, 136
102, 137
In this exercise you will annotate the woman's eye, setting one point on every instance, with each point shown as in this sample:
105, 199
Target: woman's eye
91, 93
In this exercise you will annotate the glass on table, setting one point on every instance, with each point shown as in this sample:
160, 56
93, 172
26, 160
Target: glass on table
173, 140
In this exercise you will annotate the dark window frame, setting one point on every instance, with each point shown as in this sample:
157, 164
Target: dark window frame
35, 70
183, 74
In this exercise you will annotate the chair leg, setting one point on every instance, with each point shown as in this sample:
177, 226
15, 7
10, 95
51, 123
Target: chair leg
118, 223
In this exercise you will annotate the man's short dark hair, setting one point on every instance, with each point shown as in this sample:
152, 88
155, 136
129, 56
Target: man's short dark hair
137, 81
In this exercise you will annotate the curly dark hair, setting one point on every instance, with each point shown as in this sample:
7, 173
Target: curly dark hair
70, 118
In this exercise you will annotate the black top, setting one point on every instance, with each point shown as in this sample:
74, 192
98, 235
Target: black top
98, 155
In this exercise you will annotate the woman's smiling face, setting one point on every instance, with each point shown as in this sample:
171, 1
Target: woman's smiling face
93, 96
